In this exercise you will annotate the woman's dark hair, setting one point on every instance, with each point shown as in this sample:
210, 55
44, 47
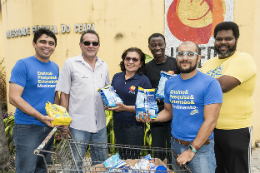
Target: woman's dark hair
142, 69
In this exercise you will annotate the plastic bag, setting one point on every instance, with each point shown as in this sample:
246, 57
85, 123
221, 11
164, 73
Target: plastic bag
114, 162
109, 96
145, 163
164, 76
58, 113
146, 103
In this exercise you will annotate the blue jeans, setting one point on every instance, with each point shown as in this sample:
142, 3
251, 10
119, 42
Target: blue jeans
129, 135
98, 151
26, 139
204, 160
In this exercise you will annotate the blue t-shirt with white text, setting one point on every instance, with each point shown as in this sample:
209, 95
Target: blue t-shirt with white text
188, 98
39, 80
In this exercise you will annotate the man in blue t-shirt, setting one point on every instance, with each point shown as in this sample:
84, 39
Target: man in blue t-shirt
32, 84
192, 100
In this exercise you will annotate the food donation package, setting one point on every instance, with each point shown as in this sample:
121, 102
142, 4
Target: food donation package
144, 165
114, 162
58, 113
146, 103
164, 76
109, 96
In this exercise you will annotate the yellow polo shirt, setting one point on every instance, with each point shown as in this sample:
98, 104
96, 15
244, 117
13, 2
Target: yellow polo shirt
237, 107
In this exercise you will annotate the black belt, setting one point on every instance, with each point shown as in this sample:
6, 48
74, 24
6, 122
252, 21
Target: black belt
189, 142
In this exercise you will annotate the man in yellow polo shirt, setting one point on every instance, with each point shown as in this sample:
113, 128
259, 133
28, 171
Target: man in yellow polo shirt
236, 73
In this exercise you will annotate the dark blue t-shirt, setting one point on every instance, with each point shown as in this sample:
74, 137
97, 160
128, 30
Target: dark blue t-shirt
127, 91
39, 80
188, 98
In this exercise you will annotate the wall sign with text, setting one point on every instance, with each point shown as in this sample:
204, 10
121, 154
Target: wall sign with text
78, 28
195, 20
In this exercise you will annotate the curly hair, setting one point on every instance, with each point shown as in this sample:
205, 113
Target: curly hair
227, 26
142, 69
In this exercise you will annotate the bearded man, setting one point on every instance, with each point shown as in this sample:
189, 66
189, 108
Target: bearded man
192, 100
236, 73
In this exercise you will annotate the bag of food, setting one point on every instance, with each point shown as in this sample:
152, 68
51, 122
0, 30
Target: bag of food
164, 76
145, 163
114, 162
109, 96
139, 103
58, 113
146, 103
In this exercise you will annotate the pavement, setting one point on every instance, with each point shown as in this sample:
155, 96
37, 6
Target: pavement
255, 162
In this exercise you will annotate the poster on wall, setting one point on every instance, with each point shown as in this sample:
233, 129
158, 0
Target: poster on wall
195, 20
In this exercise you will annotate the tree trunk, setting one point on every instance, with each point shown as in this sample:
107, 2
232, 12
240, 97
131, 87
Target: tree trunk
5, 157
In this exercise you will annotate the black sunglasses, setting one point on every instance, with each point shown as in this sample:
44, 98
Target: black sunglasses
94, 43
133, 59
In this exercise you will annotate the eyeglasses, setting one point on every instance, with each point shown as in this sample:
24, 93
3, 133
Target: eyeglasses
189, 55
133, 59
94, 43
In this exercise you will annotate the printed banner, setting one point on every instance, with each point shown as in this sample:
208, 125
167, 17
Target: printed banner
195, 20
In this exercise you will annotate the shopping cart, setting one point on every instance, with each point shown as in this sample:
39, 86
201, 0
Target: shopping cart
66, 157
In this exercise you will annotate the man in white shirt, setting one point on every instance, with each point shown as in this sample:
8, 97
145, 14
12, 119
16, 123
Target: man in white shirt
79, 80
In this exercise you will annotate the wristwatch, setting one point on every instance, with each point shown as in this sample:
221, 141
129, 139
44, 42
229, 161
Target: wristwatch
192, 149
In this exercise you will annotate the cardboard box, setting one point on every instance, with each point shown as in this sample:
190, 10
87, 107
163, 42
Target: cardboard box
130, 162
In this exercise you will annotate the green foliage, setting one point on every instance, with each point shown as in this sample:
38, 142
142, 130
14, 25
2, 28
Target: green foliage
110, 127
9, 127
147, 135
148, 58
3, 86
110, 131
8, 172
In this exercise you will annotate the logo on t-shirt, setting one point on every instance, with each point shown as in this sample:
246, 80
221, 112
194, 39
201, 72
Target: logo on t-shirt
132, 89
84, 76
171, 72
216, 73
194, 112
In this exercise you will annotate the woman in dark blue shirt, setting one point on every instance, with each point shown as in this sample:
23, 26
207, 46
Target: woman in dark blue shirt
127, 129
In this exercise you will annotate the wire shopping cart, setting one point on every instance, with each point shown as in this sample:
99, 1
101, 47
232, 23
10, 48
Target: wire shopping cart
67, 158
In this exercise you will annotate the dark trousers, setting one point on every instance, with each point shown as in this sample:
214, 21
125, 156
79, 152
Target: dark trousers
233, 150
161, 137
127, 134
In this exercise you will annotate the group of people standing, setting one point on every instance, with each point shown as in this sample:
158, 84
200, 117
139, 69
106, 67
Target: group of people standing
218, 98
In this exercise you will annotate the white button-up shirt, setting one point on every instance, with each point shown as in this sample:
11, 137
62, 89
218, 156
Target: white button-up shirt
85, 103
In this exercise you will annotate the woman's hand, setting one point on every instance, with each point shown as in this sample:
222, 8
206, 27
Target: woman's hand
119, 107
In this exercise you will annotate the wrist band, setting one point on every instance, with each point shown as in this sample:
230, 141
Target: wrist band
192, 149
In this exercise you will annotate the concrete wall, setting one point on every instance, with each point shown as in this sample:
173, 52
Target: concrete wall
120, 24
246, 14
1, 38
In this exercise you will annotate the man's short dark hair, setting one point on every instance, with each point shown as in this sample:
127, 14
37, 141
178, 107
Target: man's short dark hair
227, 26
142, 69
42, 31
155, 35
190, 42
89, 31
